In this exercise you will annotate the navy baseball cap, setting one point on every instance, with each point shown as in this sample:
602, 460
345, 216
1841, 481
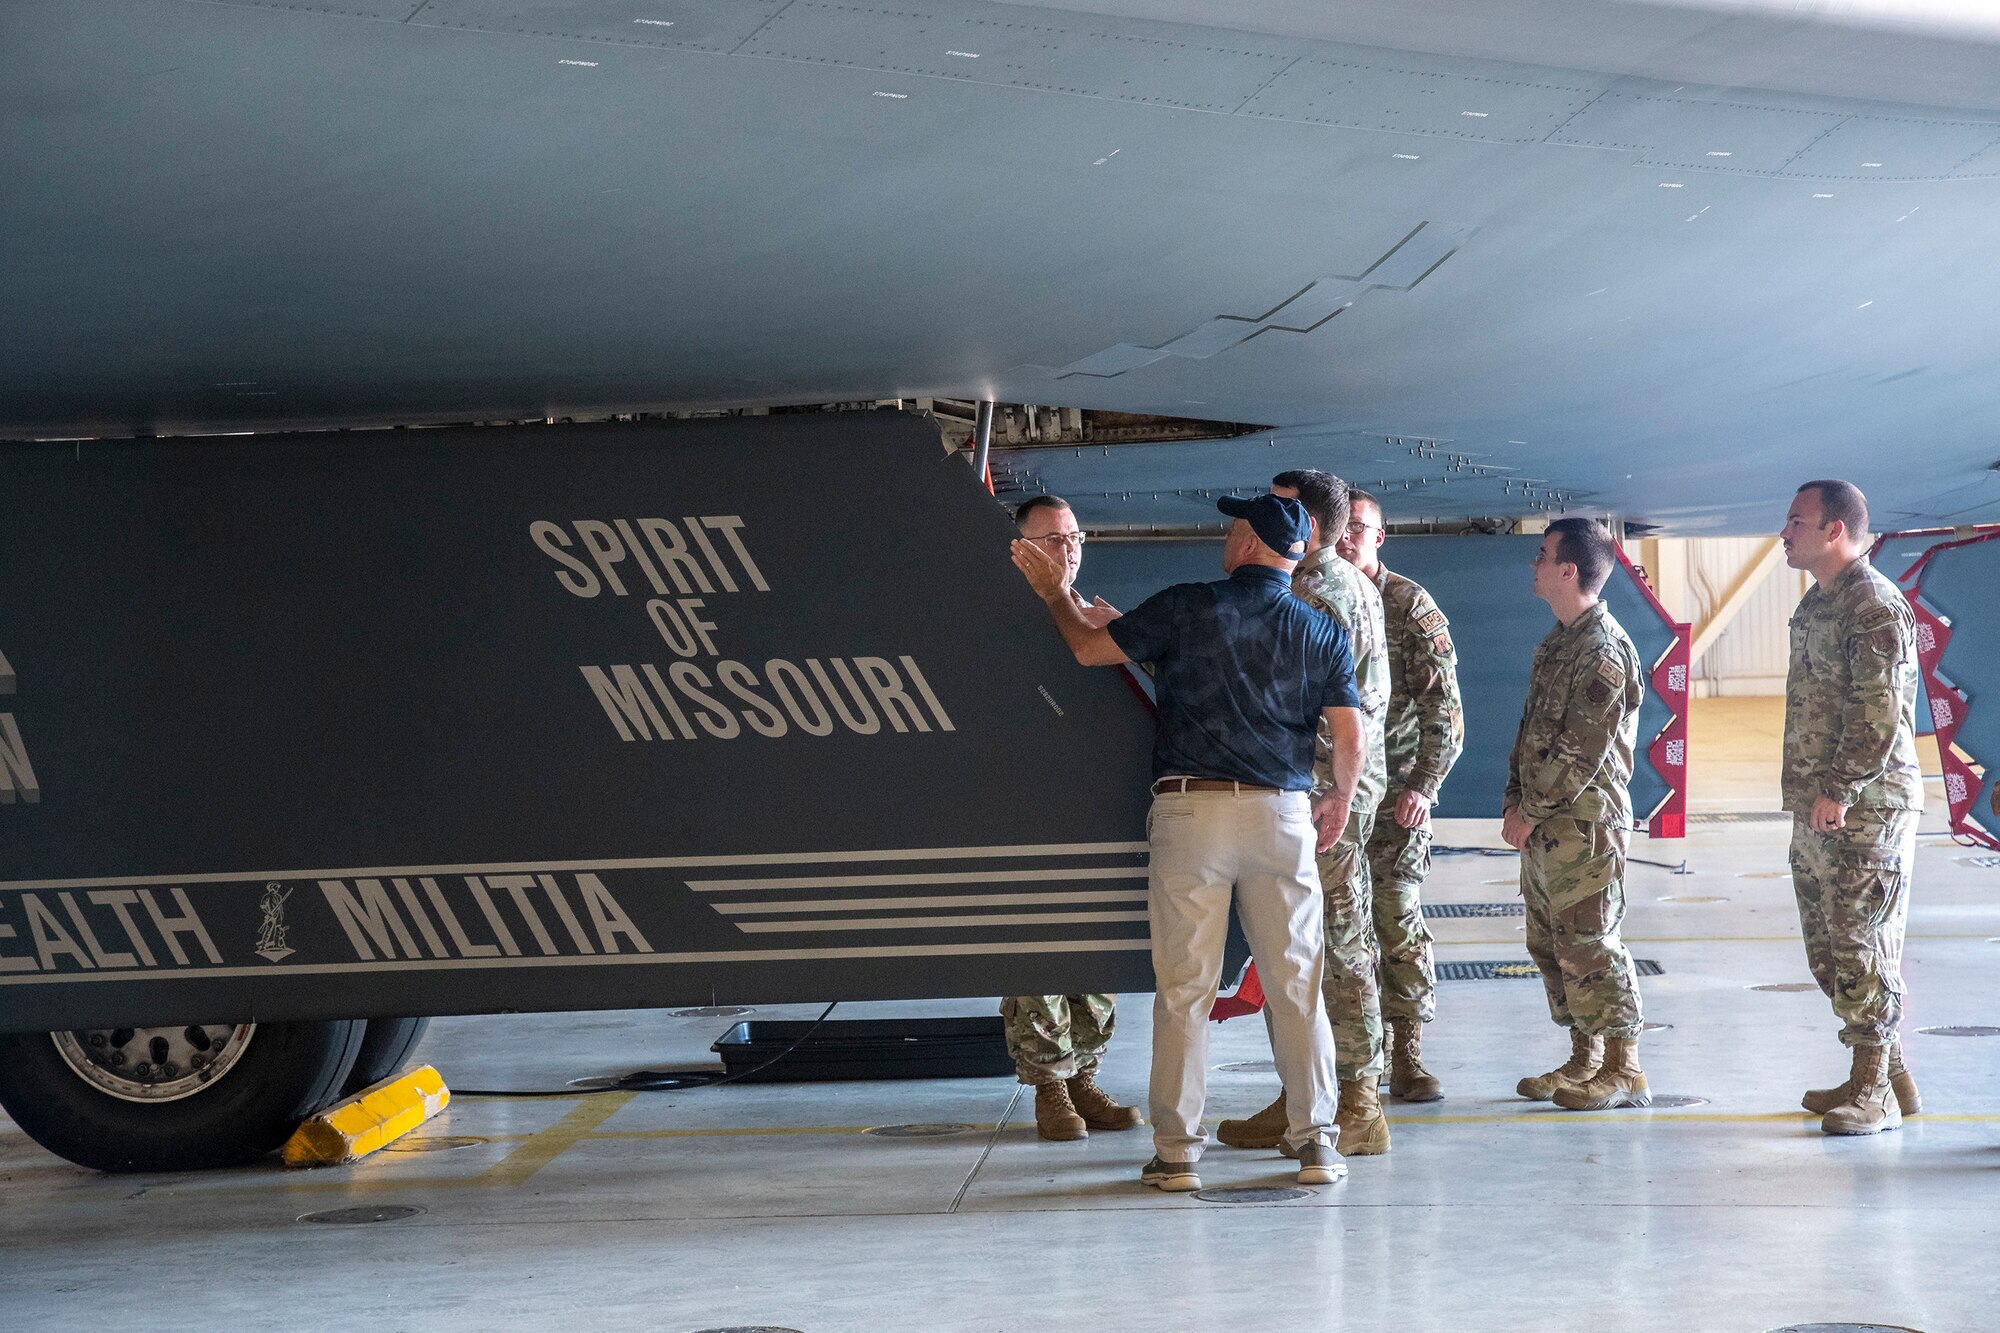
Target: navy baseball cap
1281, 524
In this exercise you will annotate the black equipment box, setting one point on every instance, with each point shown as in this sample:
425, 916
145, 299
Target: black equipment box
866, 1048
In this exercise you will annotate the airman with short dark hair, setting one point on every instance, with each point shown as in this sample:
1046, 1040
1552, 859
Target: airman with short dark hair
1569, 813
1852, 785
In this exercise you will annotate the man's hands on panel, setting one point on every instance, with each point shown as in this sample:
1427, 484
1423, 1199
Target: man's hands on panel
1515, 828
1047, 575
1412, 809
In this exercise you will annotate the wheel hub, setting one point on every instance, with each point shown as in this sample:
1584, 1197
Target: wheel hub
154, 1064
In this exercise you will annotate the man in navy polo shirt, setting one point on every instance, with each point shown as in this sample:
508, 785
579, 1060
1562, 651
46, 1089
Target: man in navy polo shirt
1245, 674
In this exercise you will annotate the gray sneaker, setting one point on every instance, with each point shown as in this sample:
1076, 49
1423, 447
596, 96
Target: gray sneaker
1319, 1165
1173, 1177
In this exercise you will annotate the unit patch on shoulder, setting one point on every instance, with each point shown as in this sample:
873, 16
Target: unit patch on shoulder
1609, 671
1875, 617
1431, 622
1441, 644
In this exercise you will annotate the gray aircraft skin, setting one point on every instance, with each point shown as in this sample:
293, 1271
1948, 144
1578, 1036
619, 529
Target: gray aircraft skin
1492, 259
1499, 258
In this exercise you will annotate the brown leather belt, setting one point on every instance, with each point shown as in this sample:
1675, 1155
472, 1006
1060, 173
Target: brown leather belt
1168, 785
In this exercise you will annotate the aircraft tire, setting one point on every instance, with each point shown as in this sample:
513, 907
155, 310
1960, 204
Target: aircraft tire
260, 1081
384, 1051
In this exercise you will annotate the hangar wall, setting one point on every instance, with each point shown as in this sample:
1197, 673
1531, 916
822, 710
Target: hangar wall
1695, 578
1483, 586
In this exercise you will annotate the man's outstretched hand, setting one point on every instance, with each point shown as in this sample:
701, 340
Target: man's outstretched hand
1048, 576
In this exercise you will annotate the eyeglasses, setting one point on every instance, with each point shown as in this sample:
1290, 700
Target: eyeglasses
1071, 540
1357, 527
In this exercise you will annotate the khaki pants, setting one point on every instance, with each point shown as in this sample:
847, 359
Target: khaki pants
1257, 847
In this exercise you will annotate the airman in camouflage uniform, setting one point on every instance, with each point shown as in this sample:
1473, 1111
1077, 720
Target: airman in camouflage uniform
1056, 1041
1423, 736
1852, 785
1352, 988
1569, 814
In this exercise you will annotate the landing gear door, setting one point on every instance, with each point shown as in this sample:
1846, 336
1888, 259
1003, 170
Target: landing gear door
448, 721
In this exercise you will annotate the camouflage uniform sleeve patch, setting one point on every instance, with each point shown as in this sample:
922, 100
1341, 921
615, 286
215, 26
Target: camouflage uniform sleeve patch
1431, 623
1605, 683
1876, 617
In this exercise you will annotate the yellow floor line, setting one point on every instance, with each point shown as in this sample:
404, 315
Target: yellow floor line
1665, 1115
745, 1133
520, 1165
581, 1125
1698, 939
1523, 1117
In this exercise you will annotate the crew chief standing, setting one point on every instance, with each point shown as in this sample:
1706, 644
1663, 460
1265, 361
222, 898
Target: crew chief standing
1057, 1042
1852, 784
1246, 673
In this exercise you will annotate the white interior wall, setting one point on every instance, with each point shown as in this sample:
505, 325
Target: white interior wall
1693, 576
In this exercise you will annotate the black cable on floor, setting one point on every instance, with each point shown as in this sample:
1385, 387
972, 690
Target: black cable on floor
1678, 869
662, 1080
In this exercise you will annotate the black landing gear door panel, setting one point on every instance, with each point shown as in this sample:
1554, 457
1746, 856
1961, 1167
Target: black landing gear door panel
568, 717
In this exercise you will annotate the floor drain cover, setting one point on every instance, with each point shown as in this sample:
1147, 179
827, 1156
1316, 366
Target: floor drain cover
1474, 909
434, 1145
1247, 1067
1960, 1032
1788, 987
1846, 1328
1252, 1194
350, 1217
1499, 971
1655, 1027
918, 1131
1694, 900
712, 1011
1673, 1101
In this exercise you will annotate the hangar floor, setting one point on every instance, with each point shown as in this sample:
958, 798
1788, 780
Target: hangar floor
772, 1206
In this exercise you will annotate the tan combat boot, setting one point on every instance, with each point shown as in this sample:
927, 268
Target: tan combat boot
1096, 1107
1872, 1106
1408, 1079
1055, 1117
1585, 1055
1908, 1100
1364, 1131
1266, 1129
1617, 1082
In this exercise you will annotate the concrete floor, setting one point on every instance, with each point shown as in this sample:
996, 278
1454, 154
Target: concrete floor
770, 1205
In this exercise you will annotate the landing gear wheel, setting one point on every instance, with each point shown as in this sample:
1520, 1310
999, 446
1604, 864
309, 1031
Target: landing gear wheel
384, 1051
173, 1098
